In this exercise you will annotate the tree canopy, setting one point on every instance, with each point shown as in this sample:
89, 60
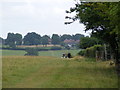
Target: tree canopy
55, 39
103, 19
32, 39
13, 39
45, 40
86, 42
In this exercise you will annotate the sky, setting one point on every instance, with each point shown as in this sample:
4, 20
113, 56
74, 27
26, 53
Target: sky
40, 16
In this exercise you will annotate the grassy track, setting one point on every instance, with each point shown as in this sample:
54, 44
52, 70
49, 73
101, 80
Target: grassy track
51, 72
57, 53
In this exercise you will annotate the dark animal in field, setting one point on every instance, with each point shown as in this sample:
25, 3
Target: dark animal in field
69, 55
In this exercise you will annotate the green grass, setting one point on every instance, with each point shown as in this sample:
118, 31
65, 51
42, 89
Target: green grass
53, 72
57, 53
12, 52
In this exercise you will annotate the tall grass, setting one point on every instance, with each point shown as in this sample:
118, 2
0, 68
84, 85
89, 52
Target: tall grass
51, 72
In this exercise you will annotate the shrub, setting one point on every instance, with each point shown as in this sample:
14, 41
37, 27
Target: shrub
56, 48
31, 52
91, 52
81, 53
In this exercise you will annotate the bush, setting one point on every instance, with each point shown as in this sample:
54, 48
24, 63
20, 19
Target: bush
31, 52
56, 48
91, 52
81, 53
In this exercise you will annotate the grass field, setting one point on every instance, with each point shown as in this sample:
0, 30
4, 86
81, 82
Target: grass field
57, 53
53, 72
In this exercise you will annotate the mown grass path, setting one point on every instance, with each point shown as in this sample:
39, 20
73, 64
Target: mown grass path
51, 72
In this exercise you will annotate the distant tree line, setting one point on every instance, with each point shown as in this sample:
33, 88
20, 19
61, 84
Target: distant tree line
33, 38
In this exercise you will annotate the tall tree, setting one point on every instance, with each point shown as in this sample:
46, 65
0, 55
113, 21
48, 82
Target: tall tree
32, 39
45, 40
14, 39
65, 36
103, 19
10, 40
18, 39
55, 39
77, 36
86, 42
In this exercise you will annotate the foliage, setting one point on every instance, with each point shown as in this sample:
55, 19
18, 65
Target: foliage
55, 39
44, 40
66, 36
74, 37
103, 19
36, 39
32, 39
81, 52
31, 52
13, 39
12, 45
77, 36
86, 42
18, 39
91, 51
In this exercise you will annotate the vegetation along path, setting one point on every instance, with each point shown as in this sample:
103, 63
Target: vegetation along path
53, 72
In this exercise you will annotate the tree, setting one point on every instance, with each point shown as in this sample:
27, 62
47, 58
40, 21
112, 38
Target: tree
114, 16
55, 39
77, 36
32, 39
65, 36
2, 41
86, 42
103, 19
31, 52
10, 40
44, 40
13, 39
18, 39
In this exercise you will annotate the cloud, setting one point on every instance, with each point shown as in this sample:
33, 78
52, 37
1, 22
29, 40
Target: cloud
37, 1
33, 8
41, 16
58, 10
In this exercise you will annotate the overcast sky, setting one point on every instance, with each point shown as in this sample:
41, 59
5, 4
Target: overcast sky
40, 16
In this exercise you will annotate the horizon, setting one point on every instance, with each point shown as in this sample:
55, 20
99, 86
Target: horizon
45, 34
